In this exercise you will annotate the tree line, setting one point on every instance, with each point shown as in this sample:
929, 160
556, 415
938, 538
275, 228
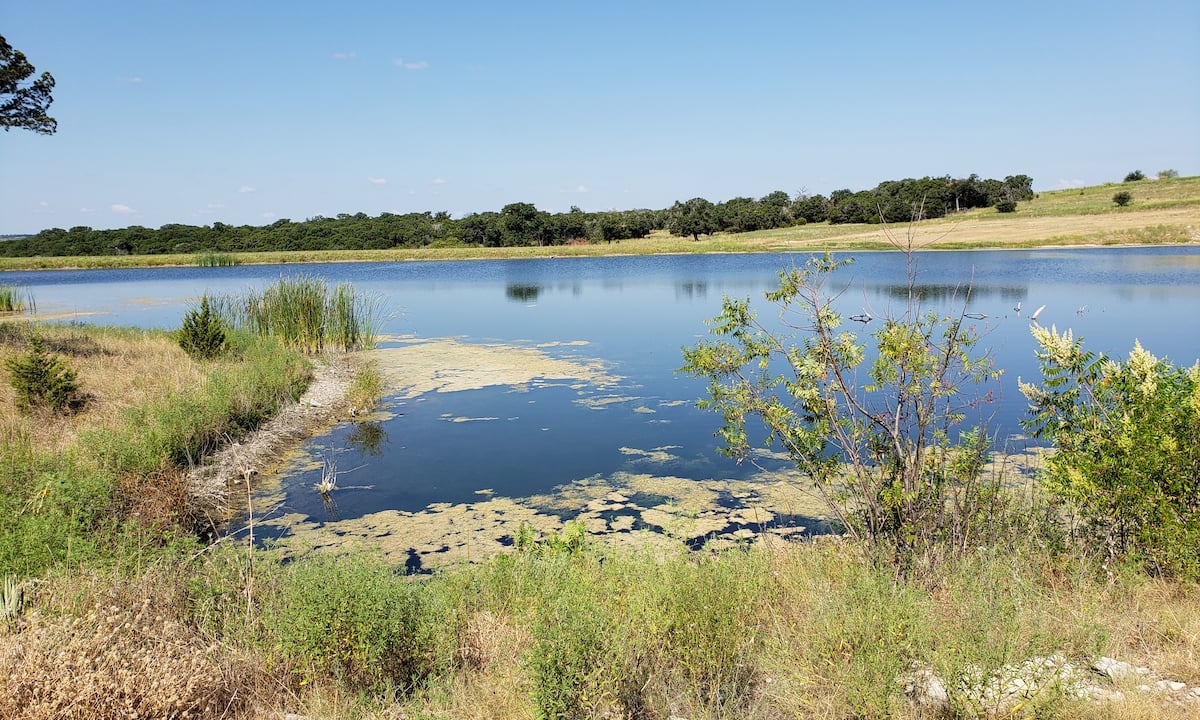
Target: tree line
522, 224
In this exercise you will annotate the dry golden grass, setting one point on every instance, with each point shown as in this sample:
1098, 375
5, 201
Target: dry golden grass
116, 370
117, 661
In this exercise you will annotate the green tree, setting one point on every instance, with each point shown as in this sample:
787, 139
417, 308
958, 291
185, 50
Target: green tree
1126, 448
43, 379
524, 224
1123, 198
24, 106
876, 436
202, 334
695, 217
1135, 176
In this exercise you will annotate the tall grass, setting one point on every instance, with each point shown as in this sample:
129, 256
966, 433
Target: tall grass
212, 258
12, 300
76, 490
305, 314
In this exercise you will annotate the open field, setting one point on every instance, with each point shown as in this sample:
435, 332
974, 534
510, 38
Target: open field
1162, 212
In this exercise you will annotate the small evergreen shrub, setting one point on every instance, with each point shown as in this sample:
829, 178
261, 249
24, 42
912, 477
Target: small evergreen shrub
1135, 176
202, 335
1006, 206
1168, 174
1122, 198
42, 379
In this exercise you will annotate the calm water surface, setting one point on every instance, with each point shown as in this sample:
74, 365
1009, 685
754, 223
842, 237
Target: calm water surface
634, 315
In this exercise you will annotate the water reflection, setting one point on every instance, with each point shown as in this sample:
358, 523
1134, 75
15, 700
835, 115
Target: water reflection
945, 293
368, 437
523, 293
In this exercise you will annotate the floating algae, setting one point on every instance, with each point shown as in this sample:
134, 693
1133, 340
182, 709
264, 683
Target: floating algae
448, 365
619, 508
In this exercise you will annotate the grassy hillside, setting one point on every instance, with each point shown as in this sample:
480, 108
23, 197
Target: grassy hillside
1162, 212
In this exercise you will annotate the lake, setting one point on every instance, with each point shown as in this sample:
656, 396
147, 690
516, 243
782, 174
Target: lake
545, 390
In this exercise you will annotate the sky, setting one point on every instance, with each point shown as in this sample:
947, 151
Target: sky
248, 112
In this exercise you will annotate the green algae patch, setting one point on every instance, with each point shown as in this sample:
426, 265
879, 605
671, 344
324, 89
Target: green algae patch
450, 365
624, 509
656, 455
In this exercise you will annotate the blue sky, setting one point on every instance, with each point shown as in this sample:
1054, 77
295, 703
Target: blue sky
248, 112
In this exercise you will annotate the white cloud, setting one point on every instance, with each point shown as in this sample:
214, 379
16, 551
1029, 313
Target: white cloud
215, 206
86, 210
344, 55
580, 189
44, 204
120, 209
440, 181
377, 181
268, 214
410, 65
245, 189
135, 80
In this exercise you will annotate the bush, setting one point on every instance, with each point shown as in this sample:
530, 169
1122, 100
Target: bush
1127, 445
886, 440
1168, 174
1123, 198
202, 335
1135, 176
43, 379
351, 619
1006, 206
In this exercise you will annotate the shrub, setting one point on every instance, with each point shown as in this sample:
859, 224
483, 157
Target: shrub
352, 619
43, 379
202, 335
1127, 445
877, 437
1135, 176
1122, 198
1006, 206
1168, 174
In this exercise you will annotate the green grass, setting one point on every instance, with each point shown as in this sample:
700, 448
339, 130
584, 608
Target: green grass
12, 300
210, 258
797, 630
304, 313
89, 501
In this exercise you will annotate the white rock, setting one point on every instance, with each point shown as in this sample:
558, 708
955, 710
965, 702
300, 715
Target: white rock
1169, 685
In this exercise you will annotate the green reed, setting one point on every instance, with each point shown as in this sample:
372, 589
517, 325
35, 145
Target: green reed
211, 258
12, 300
304, 313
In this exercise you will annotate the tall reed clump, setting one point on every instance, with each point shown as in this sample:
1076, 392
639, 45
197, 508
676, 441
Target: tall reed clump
212, 258
12, 300
304, 313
